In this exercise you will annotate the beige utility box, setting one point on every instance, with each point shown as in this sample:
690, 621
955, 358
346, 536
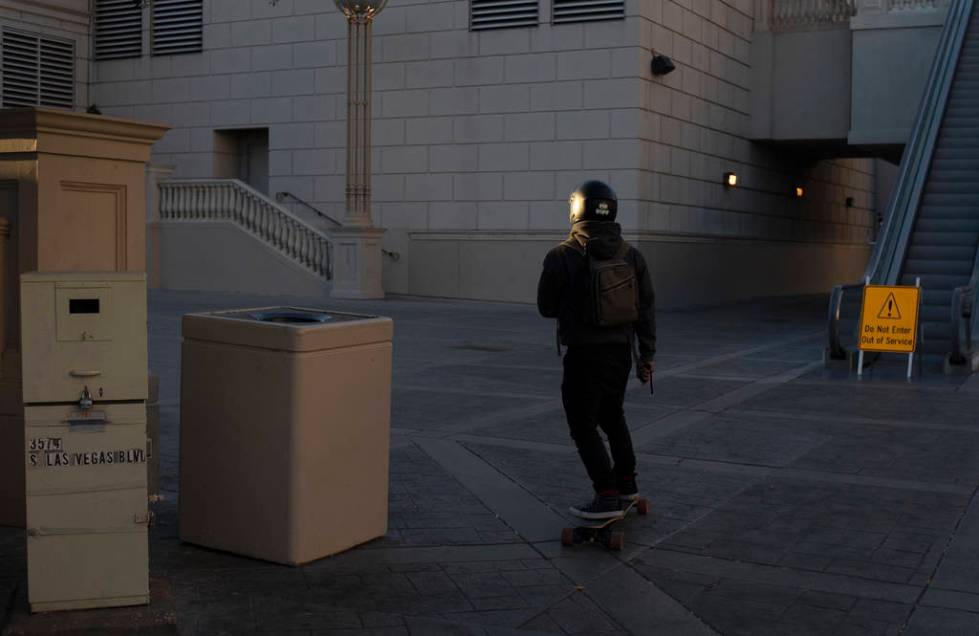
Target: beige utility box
85, 385
284, 431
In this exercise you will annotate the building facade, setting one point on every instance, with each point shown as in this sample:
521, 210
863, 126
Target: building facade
486, 116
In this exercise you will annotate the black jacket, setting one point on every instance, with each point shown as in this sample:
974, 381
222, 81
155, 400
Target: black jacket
562, 289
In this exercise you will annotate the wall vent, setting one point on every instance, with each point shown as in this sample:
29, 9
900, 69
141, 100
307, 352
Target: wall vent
178, 26
118, 29
36, 70
502, 14
588, 10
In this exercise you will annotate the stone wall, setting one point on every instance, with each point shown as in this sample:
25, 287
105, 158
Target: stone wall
694, 127
480, 136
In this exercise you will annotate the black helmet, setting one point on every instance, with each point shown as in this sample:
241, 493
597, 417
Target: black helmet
593, 201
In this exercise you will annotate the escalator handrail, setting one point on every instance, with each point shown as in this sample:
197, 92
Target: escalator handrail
963, 301
888, 257
836, 350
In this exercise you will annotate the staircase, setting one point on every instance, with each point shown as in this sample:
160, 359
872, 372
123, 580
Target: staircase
232, 201
932, 230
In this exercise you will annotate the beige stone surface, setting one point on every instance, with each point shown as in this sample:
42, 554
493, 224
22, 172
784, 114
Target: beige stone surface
72, 188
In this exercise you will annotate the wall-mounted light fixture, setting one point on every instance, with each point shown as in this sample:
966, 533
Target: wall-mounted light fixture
800, 191
662, 65
730, 180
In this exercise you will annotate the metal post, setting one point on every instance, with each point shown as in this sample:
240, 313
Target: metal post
866, 281
917, 283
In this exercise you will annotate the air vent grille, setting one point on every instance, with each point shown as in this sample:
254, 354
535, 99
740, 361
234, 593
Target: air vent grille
502, 14
178, 26
36, 70
588, 10
118, 29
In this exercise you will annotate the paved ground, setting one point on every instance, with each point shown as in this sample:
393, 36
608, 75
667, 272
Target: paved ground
786, 499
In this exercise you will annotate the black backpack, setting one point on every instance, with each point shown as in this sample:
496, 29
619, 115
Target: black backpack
612, 296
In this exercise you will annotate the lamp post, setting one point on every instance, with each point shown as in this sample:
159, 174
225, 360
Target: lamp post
357, 266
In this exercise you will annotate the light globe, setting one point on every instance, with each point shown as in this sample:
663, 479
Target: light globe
360, 9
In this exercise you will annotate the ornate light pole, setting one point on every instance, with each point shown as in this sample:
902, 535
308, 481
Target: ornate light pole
357, 267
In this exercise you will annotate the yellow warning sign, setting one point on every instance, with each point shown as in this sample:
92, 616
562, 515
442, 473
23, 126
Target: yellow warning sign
889, 318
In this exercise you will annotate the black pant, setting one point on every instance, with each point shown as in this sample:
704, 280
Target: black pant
595, 378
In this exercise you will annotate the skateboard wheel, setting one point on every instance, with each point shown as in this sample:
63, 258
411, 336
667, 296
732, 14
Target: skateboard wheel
616, 541
567, 537
642, 506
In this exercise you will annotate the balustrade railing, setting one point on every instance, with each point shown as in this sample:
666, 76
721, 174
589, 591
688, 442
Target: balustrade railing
235, 201
795, 14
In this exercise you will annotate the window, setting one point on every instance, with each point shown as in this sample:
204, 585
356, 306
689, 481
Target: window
501, 14
37, 70
118, 29
588, 10
178, 26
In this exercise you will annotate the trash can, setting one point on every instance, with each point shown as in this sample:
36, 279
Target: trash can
284, 431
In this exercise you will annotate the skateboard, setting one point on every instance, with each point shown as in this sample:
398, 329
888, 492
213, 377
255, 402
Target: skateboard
601, 531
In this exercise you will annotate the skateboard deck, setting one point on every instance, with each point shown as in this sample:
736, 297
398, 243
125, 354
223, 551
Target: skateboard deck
601, 530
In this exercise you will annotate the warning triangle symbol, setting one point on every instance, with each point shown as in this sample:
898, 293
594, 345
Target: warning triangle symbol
889, 310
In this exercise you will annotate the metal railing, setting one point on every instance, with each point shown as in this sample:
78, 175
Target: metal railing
282, 196
887, 258
235, 201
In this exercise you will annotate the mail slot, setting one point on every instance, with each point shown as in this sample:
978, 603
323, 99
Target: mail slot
94, 320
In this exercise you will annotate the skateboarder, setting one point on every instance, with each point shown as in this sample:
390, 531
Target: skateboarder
598, 288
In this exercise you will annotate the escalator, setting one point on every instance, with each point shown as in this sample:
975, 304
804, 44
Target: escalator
932, 232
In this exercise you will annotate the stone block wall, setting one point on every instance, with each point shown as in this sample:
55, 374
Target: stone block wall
479, 137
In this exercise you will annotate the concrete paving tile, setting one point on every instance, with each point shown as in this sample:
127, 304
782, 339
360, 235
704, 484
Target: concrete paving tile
721, 438
927, 621
543, 623
951, 599
821, 471
580, 615
431, 408
688, 392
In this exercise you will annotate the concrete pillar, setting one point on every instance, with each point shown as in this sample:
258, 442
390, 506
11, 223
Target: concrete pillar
73, 195
155, 173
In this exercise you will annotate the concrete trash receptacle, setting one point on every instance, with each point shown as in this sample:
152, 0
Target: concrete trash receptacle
284, 431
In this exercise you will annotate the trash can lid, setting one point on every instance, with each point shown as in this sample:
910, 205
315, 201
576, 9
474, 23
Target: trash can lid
287, 328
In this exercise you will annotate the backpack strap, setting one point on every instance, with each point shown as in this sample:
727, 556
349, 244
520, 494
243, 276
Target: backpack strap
623, 250
572, 244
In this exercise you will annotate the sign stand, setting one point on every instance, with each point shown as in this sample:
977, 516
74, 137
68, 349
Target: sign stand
866, 281
889, 322
917, 283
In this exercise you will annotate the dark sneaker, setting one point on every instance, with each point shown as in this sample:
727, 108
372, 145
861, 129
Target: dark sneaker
628, 490
601, 507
